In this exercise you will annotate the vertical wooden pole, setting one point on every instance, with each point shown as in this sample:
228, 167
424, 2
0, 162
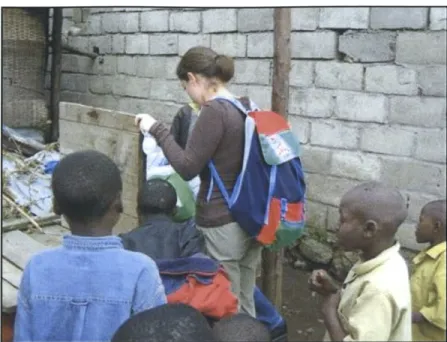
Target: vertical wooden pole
272, 262
55, 74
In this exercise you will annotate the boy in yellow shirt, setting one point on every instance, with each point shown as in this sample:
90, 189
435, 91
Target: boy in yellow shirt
428, 279
374, 303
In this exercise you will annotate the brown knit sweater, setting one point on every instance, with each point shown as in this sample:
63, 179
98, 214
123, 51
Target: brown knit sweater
218, 135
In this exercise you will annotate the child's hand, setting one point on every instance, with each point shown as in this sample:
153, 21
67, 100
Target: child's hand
144, 122
322, 283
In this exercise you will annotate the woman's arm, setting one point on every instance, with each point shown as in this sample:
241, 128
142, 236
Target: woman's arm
201, 145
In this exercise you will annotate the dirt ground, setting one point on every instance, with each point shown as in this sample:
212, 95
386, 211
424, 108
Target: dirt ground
300, 308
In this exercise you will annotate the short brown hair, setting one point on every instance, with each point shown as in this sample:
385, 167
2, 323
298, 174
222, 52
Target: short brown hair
206, 62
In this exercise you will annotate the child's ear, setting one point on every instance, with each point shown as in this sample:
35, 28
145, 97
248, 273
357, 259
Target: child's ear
370, 229
437, 226
56, 208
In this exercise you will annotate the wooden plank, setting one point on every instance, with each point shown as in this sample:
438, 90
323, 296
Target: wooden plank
24, 223
97, 117
52, 236
9, 297
11, 273
18, 248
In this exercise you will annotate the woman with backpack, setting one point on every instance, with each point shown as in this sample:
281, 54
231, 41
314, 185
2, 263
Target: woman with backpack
217, 136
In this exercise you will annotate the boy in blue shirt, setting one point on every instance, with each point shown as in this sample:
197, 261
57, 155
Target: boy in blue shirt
86, 288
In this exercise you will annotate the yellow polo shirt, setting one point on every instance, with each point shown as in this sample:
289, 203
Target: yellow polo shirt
375, 300
428, 293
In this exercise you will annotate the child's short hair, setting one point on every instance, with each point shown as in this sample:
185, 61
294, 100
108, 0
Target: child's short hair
241, 327
156, 196
85, 184
377, 201
436, 210
165, 323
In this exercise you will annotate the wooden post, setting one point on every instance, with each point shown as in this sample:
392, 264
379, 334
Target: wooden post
272, 262
53, 134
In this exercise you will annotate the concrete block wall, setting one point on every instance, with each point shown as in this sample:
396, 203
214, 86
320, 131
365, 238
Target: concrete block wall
367, 85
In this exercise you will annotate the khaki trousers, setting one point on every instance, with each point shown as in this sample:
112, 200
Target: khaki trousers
239, 255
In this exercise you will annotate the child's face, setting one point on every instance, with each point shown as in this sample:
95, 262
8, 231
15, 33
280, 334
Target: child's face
195, 87
425, 229
350, 232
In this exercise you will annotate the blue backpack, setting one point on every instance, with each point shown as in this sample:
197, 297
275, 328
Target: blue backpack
267, 200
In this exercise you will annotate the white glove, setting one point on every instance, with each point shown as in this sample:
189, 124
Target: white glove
145, 122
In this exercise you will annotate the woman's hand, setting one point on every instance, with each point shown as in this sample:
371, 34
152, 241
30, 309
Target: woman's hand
144, 122
322, 283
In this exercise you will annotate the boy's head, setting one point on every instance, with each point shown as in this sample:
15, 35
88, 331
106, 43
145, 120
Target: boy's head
241, 327
165, 323
87, 189
370, 215
156, 196
432, 223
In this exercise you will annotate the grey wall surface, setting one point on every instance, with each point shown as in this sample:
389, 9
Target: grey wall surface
367, 85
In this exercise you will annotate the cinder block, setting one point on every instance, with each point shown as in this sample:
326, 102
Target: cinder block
94, 24
320, 45
157, 66
163, 44
387, 140
131, 86
316, 103
421, 47
418, 111
104, 43
416, 201
334, 134
336, 75
432, 79
301, 73
316, 215
219, 20
154, 21
430, 145
361, 107
252, 71
75, 63
232, 44
74, 82
127, 65
333, 218
391, 79
438, 18
120, 22
166, 90
261, 95
101, 84
300, 127
405, 236
368, 46
412, 175
187, 41
260, 45
344, 17
118, 43
137, 44
315, 159
255, 19
399, 17
356, 165
327, 189
104, 66
185, 21
305, 19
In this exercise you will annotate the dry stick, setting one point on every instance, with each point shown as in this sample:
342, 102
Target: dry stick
21, 211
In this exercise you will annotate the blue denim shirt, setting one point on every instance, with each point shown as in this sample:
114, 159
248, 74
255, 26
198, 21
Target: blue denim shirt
84, 290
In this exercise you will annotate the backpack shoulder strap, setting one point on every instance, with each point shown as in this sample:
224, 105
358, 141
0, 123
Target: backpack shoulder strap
235, 102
